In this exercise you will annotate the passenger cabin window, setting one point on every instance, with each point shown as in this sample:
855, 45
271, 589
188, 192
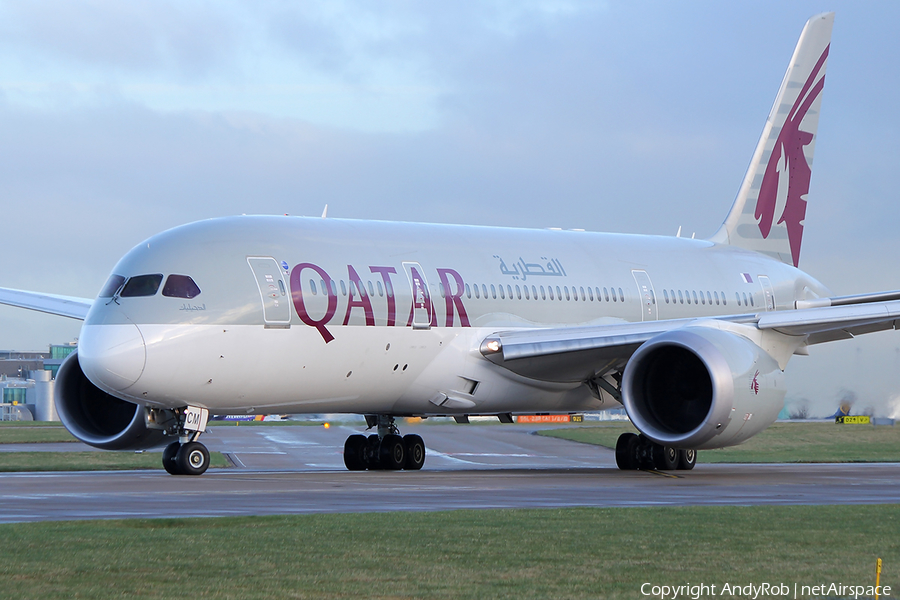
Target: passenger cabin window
112, 286
182, 286
141, 285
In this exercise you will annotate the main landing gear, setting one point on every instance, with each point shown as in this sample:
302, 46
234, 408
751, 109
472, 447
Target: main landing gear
639, 452
187, 456
385, 450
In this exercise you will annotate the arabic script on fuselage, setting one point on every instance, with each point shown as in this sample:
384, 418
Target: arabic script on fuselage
193, 307
522, 270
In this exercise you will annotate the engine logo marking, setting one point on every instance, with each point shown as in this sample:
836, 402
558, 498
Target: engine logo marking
754, 384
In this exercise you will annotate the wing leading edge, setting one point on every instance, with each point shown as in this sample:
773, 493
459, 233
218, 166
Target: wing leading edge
571, 354
64, 306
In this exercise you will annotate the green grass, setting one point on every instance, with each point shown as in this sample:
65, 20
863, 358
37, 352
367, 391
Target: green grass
33, 432
560, 553
89, 461
780, 443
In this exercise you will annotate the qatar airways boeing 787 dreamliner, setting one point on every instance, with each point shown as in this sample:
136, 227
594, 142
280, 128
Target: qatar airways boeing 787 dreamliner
393, 319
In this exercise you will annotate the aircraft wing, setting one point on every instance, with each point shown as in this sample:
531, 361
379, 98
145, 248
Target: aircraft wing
569, 354
825, 324
64, 306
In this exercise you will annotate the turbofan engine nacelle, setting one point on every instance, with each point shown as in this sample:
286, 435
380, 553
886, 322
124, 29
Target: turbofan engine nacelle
98, 419
701, 387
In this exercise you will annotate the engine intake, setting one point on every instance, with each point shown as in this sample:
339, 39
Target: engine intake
97, 418
701, 387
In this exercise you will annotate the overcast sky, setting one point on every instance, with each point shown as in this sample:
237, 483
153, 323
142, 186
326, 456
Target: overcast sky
122, 119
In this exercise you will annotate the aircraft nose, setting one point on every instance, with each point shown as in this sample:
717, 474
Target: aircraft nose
112, 356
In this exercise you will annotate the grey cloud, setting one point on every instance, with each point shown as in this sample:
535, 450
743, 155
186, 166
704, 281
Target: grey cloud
144, 36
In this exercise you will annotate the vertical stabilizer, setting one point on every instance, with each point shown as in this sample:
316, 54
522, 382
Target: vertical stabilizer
768, 213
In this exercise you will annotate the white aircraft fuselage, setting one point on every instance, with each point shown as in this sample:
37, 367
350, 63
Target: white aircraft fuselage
318, 315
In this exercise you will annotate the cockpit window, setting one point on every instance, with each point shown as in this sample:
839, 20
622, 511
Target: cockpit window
112, 286
141, 285
180, 286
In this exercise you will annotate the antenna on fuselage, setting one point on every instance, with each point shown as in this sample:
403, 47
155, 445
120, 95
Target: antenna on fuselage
325, 211
679, 232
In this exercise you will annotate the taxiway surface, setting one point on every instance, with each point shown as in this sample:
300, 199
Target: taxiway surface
295, 470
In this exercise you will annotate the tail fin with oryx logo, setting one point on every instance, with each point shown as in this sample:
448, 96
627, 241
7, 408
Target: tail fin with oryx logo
768, 213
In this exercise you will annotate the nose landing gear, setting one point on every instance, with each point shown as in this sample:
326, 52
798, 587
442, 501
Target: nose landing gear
384, 451
187, 456
191, 458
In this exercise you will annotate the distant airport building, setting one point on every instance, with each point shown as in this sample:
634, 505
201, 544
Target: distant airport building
27, 381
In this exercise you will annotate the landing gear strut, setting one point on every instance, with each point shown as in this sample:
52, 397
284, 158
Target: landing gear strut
639, 452
187, 456
385, 450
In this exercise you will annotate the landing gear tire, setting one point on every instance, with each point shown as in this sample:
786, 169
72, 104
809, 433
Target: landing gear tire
626, 458
385, 450
192, 459
645, 454
665, 458
392, 454
168, 458
355, 453
373, 453
687, 459
415, 452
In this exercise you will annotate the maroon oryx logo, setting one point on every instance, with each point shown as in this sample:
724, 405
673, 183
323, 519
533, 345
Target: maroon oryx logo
793, 165
754, 384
